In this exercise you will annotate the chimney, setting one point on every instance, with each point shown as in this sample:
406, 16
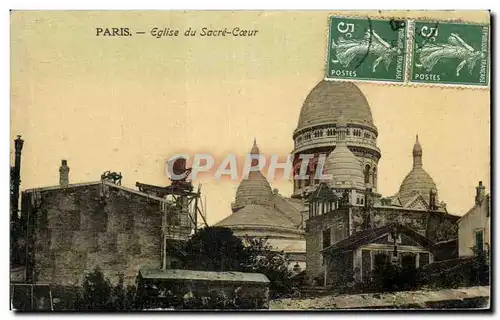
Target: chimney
15, 176
480, 191
64, 173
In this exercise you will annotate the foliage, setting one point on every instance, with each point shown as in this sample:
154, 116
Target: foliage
215, 249
218, 249
274, 264
97, 293
480, 269
389, 276
345, 279
456, 273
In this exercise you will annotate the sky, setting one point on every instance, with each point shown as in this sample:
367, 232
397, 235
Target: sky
127, 104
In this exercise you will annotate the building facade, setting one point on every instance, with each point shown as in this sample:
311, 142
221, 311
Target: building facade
344, 204
261, 212
74, 228
474, 226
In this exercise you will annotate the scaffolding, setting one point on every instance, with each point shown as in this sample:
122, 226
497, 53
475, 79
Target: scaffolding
182, 209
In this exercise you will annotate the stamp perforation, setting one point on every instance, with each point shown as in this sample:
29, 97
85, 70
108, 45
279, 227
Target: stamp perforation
408, 54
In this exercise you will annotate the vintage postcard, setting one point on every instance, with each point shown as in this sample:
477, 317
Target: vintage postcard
250, 160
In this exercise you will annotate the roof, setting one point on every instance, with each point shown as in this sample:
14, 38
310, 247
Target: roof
253, 190
366, 236
94, 183
288, 209
486, 198
257, 215
178, 274
329, 99
298, 246
297, 203
417, 181
344, 167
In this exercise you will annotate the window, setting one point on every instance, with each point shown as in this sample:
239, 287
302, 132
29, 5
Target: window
479, 240
424, 259
318, 134
367, 174
409, 261
326, 238
380, 261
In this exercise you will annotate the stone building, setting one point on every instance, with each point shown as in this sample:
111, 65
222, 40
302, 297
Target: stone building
474, 226
345, 212
259, 211
347, 215
317, 131
74, 228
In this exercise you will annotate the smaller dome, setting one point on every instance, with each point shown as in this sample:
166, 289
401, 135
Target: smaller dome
344, 168
255, 189
417, 181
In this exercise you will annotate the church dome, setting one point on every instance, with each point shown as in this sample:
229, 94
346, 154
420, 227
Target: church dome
329, 99
418, 181
253, 190
343, 166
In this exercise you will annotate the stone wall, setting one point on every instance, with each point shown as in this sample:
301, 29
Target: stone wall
380, 216
74, 230
435, 226
338, 223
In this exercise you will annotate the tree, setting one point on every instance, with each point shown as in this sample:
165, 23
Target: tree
218, 249
119, 294
215, 249
274, 264
480, 267
96, 292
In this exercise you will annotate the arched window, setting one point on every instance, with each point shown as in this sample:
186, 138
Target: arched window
367, 174
374, 176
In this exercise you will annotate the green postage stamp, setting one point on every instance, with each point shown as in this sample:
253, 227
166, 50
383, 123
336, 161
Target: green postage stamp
366, 49
450, 53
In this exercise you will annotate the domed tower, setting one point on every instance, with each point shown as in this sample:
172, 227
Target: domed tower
342, 165
344, 170
253, 190
318, 128
418, 181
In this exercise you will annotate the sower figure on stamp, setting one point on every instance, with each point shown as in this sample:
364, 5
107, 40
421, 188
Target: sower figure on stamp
372, 43
456, 48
